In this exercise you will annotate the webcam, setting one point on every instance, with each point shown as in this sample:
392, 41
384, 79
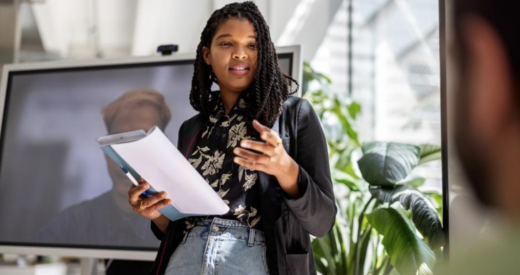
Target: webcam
167, 49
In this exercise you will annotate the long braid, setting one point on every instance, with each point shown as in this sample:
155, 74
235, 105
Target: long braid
270, 87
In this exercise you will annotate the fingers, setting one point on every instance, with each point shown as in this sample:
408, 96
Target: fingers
272, 138
255, 157
267, 134
259, 127
147, 202
250, 164
135, 192
160, 205
151, 204
261, 147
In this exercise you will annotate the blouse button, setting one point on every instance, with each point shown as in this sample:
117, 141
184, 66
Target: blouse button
215, 229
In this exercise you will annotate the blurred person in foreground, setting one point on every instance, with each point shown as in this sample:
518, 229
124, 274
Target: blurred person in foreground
487, 130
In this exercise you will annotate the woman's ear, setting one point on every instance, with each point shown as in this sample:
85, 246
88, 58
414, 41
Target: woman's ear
205, 55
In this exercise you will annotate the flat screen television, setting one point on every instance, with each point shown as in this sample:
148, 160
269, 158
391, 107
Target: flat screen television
58, 194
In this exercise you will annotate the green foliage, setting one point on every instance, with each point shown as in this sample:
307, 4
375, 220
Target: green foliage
387, 163
408, 253
424, 214
385, 225
430, 152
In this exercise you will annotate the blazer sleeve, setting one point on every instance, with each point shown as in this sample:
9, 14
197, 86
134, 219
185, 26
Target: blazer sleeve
180, 145
315, 208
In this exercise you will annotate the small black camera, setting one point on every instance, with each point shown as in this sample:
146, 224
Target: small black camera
167, 49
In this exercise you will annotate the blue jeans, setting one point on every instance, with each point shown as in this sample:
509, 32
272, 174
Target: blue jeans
219, 246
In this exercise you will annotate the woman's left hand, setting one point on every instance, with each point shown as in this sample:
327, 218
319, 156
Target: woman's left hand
270, 157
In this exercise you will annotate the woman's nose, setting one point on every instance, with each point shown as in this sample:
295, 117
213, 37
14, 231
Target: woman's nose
240, 54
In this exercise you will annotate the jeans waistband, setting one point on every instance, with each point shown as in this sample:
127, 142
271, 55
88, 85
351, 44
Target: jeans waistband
222, 223
235, 228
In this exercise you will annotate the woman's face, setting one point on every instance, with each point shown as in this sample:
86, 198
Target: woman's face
233, 55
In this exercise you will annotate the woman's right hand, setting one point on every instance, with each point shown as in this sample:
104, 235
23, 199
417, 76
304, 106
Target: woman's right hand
147, 207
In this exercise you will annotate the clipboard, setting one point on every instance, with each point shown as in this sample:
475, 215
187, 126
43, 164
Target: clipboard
151, 156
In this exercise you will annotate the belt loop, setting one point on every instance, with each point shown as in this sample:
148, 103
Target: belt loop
251, 241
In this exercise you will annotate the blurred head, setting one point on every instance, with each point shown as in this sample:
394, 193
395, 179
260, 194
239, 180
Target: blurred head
487, 131
135, 110
236, 52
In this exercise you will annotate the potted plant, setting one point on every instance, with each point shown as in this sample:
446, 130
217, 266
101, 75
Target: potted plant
385, 224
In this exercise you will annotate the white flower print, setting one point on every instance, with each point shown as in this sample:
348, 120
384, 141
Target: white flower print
190, 223
236, 133
200, 150
242, 104
228, 122
195, 162
253, 212
246, 216
222, 193
224, 178
241, 170
255, 221
213, 163
239, 210
214, 184
250, 181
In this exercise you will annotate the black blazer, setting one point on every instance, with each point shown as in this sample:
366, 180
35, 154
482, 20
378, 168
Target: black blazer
287, 222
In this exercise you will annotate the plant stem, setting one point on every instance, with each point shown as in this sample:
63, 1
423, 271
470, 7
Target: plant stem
360, 225
387, 266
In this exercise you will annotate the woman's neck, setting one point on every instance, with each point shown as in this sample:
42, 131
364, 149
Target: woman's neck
229, 99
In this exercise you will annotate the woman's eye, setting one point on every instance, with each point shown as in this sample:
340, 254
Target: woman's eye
225, 44
252, 46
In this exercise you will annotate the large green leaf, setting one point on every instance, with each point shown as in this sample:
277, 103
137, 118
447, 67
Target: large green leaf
414, 181
424, 214
429, 152
409, 254
387, 163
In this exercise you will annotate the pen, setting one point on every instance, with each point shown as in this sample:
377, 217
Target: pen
132, 179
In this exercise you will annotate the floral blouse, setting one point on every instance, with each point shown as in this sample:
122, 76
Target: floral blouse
213, 159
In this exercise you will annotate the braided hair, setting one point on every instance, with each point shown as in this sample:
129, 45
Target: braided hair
270, 87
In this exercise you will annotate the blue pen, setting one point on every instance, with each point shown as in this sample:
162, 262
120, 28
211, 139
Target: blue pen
133, 180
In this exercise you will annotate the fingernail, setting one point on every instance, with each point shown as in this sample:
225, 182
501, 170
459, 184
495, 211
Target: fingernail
244, 143
235, 159
264, 136
236, 151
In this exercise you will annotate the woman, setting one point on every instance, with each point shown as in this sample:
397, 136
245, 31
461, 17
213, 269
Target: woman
261, 150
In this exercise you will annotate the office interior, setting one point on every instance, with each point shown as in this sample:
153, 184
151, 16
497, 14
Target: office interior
385, 63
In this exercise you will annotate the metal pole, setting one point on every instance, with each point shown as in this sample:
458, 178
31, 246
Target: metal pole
350, 12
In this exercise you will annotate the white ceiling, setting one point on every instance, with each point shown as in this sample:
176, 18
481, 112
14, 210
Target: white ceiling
114, 28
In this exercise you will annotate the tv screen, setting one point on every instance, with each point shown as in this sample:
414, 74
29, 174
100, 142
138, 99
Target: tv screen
57, 188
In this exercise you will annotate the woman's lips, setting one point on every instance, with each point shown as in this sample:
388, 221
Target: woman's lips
239, 71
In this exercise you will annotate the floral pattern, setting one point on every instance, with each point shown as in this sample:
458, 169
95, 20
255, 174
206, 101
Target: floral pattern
213, 159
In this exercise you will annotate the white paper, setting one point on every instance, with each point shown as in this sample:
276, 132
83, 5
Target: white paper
157, 160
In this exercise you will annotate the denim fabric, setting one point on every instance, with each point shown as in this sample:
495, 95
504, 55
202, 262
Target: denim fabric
219, 246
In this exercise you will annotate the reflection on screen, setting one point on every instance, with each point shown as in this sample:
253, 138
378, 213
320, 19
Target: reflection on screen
56, 186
